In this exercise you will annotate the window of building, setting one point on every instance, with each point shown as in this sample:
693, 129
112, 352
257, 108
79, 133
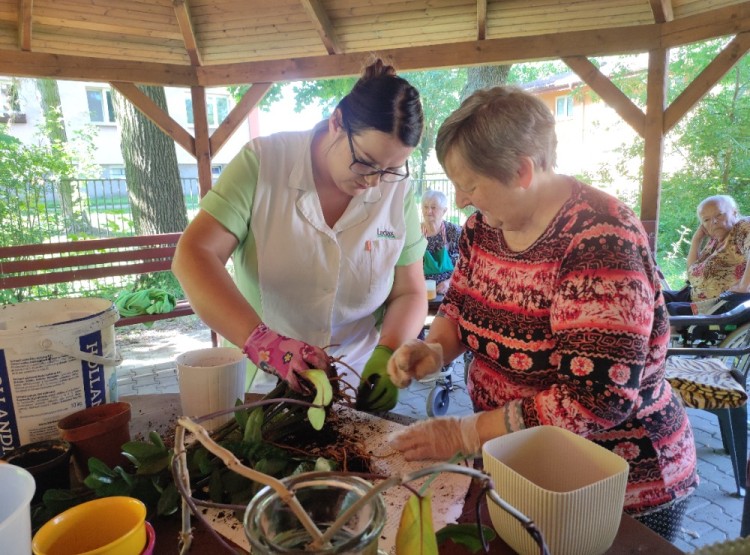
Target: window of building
216, 170
116, 172
564, 107
217, 108
101, 109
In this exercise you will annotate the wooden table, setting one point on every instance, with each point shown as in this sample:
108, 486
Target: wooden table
159, 413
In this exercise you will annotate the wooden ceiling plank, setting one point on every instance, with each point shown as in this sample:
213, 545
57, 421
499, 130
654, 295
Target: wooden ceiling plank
58, 46
702, 84
609, 92
34, 64
319, 18
662, 10
249, 100
156, 12
481, 19
24, 24
182, 12
459, 54
729, 20
154, 112
107, 27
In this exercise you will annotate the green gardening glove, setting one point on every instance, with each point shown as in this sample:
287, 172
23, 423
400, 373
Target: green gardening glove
376, 392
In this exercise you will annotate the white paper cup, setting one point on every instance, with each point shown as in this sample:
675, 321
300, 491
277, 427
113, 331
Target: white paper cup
431, 289
211, 379
17, 485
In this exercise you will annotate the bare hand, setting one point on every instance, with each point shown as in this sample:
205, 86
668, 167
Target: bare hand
700, 234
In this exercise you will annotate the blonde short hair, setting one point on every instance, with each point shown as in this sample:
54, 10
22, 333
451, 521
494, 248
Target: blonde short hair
494, 128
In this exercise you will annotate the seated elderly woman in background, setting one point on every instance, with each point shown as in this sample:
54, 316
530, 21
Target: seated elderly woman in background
718, 261
442, 240
557, 297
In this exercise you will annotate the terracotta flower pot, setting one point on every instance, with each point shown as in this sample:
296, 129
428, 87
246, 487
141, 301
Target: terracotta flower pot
99, 432
47, 461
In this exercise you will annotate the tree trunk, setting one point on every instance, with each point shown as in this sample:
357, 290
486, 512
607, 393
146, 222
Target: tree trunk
484, 77
153, 178
69, 193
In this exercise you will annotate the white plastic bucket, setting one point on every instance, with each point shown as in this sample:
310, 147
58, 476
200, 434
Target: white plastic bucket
18, 488
56, 357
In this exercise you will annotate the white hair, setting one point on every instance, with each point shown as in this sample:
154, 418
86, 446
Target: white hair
720, 200
439, 196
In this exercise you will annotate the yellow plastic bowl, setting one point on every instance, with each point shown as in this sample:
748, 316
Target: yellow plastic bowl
107, 526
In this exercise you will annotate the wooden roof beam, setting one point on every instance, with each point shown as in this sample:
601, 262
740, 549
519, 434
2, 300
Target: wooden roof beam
609, 92
153, 112
481, 19
182, 12
719, 66
662, 10
249, 100
25, 8
35, 64
323, 26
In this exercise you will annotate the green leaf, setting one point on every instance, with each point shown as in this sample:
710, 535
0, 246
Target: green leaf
253, 432
98, 467
323, 396
142, 450
415, 535
324, 465
466, 535
156, 439
169, 501
153, 465
240, 416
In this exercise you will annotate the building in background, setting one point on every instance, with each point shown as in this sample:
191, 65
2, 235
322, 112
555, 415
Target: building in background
90, 104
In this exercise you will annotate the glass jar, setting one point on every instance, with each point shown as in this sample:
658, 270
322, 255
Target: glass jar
272, 528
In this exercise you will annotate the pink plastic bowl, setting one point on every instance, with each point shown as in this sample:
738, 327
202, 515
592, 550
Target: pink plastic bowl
150, 540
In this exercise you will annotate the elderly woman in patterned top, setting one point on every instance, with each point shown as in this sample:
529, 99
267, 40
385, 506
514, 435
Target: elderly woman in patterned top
718, 262
441, 254
556, 296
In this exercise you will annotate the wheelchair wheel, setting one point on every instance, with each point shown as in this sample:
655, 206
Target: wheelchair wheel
438, 401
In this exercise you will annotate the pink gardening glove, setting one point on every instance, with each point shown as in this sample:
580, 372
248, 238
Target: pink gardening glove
438, 438
283, 356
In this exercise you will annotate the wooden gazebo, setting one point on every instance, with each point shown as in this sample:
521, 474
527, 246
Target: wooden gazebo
205, 43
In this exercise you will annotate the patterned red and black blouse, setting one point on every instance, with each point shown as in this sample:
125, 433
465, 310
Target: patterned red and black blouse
572, 332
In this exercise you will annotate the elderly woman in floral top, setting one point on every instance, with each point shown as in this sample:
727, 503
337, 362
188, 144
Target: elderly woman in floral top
718, 261
557, 297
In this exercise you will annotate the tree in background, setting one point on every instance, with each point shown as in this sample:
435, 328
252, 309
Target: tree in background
709, 147
154, 188
72, 196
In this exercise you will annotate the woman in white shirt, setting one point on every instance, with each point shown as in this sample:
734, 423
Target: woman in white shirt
325, 237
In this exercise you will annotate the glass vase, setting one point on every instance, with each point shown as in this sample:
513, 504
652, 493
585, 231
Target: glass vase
272, 528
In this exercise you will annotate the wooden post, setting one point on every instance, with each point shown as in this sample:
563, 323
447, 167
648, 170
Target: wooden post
654, 139
202, 139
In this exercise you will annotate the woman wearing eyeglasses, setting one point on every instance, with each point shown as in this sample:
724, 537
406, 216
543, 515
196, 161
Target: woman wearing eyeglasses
718, 264
325, 238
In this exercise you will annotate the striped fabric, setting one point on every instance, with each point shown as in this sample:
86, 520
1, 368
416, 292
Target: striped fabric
705, 383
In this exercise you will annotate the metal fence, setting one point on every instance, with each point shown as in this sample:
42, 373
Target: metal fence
101, 208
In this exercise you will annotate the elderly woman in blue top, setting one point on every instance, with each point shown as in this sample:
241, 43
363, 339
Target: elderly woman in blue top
325, 237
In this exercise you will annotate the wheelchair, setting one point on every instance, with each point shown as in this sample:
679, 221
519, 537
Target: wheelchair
708, 361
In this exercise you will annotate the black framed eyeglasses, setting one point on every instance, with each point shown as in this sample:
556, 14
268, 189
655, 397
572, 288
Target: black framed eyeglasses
366, 170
